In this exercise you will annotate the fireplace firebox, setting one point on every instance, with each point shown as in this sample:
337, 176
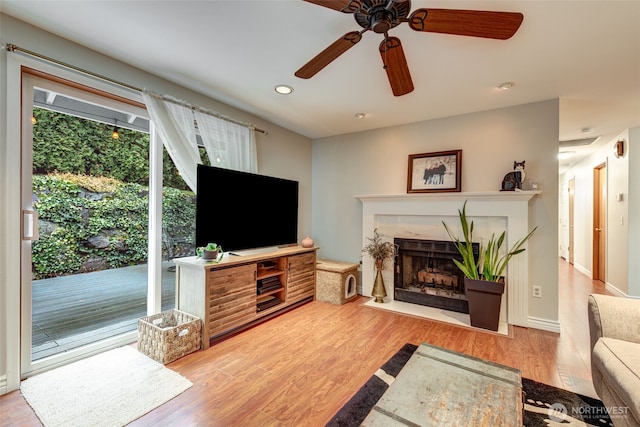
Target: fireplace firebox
425, 274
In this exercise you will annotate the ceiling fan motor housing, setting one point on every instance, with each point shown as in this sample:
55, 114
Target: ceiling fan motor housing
382, 15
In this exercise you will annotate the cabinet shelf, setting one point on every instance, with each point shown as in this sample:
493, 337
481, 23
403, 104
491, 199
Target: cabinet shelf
271, 292
268, 303
264, 274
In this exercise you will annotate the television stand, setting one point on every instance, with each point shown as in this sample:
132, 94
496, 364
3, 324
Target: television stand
257, 251
241, 291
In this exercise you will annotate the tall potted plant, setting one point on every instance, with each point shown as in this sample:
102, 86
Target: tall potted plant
380, 252
484, 280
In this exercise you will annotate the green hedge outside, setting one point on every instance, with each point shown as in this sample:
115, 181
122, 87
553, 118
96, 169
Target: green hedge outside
91, 194
73, 218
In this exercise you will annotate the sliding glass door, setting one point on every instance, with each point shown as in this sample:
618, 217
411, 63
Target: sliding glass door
91, 251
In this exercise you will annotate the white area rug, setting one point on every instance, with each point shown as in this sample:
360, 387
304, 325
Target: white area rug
109, 389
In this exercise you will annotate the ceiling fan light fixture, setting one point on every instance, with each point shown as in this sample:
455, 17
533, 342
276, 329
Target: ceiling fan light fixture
283, 89
506, 85
381, 21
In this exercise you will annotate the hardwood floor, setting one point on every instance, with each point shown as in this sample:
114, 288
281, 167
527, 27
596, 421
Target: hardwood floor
300, 368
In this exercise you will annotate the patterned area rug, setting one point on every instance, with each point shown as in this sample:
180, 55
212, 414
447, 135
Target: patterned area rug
544, 405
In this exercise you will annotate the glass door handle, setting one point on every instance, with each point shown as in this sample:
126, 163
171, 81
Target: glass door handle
30, 225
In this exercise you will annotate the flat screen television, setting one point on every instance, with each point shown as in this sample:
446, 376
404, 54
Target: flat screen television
245, 211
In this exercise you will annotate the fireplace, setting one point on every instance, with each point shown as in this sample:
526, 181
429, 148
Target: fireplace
420, 216
425, 274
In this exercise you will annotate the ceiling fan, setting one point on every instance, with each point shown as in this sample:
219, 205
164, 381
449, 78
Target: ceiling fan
380, 16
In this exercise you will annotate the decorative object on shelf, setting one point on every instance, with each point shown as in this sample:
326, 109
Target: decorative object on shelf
434, 172
380, 252
307, 242
513, 180
484, 281
618, 149
211, 252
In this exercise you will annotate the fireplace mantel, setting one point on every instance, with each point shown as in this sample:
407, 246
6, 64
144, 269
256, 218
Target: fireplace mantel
511, 206
454, 196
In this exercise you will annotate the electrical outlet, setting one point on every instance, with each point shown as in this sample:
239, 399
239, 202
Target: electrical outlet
537, 291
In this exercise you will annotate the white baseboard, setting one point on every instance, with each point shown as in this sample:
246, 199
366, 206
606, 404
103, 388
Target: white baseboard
3, 385
615, 290
544, 324
582, 270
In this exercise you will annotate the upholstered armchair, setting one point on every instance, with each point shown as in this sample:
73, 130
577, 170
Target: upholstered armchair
614, 325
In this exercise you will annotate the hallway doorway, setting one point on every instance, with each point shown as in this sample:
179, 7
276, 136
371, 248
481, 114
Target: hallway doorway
599, 222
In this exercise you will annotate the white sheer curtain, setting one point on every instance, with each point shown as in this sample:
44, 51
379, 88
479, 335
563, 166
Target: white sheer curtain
229, 145
177, 131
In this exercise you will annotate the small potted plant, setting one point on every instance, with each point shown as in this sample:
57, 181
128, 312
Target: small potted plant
380, 252
484, 280
212, 251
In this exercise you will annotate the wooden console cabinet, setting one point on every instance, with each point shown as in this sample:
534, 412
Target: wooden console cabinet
240, 291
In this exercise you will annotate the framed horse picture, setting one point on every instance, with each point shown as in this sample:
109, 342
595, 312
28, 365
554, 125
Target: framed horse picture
434, 172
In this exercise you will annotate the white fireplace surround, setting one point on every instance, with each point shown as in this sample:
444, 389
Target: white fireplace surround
420, 216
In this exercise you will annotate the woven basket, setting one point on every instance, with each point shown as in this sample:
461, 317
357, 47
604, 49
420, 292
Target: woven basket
169, 335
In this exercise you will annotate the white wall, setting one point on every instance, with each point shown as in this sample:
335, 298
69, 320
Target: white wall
281, 153
617, 253
633, 154
375, 162
563, 225
622, 210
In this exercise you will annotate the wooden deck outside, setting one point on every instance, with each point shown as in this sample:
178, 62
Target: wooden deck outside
71, 311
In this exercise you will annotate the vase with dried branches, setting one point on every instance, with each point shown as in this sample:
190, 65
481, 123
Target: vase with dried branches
381, 252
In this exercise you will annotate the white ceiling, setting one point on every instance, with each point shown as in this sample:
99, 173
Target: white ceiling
586, 53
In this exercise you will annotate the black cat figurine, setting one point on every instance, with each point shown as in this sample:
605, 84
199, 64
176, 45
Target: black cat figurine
513, 180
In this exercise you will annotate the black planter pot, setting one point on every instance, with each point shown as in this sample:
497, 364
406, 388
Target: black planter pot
484, 302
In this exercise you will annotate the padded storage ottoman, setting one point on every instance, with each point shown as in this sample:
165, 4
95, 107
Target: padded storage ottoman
336, 281
169, 335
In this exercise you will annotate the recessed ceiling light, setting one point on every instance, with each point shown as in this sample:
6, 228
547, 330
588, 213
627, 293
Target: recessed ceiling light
360, 115
564, 155
284, 89
586, 130
506, 85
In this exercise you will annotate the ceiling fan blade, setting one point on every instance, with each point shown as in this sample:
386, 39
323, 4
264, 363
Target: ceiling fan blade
395, 64
474, 23
328, 55
346, 6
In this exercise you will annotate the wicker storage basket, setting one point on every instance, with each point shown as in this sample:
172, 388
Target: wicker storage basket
169, 335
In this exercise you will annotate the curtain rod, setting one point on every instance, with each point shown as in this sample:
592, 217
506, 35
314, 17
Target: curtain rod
203, 110
14, 48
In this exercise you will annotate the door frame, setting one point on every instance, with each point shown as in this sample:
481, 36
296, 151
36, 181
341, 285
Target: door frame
12, 210
571, 190
599, 239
